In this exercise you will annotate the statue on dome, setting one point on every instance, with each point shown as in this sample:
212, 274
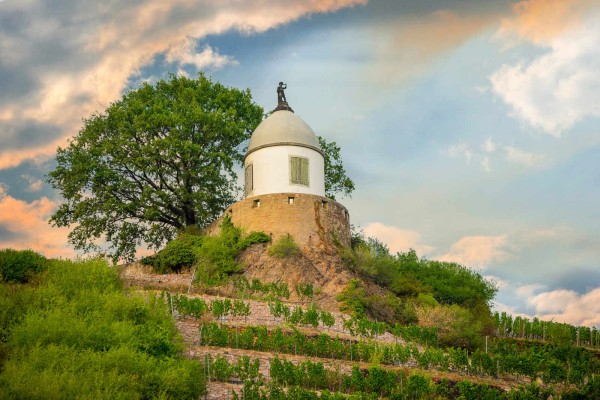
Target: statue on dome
280, 93
281, 100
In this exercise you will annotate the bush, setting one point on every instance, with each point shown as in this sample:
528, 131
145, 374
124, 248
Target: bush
217, 254
178, 254
284, 247
252, 238
19, 266
83, 337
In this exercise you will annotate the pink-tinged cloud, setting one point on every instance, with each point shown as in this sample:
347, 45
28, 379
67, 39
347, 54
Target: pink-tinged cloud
27, 227
397, 240
540, 21
559, 88
407, 44
121, 40
479, 251
568, 306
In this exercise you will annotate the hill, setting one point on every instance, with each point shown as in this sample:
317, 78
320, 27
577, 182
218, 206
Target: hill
77, 330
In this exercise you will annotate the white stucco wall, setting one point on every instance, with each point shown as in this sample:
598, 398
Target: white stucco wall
271, 170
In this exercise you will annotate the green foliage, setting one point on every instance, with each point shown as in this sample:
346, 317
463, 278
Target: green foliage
83, 337
336, 180
413, 284
305, 291
18, 266
503, 358
284, 247
217, 254
189, 307
178, 254
253, 238
160, 159
270, 290
364, 327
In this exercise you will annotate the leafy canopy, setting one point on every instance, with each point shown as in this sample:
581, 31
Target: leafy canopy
158, 160
336, 180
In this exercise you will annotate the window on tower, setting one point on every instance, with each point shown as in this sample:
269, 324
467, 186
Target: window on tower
249, 181
299, 171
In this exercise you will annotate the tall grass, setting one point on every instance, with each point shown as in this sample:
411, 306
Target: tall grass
84, 337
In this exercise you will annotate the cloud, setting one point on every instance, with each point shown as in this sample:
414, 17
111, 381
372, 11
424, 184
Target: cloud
61, 61
478, 251
397, 240
567, 306
552, 302
527, 291
26, 227
524, 158
488, 150
461, 150
185, 53
485, 164
561, 87
501, 307
413, 42
33, 184
540, 21
488, 145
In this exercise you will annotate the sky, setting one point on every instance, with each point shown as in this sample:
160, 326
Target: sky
471, 128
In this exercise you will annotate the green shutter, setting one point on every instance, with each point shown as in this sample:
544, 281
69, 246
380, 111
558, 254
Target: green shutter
304, 171
299, 171
249, 186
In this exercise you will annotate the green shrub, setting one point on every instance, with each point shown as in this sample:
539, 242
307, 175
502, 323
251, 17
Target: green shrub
217, 254
252, 238
178, 254
19, 265
83, 337
284, 247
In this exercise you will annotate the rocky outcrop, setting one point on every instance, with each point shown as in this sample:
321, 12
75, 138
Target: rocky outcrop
322, 267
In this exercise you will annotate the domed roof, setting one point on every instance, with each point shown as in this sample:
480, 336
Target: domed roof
283, 128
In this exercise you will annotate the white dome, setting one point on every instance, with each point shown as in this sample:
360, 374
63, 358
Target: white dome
283, 128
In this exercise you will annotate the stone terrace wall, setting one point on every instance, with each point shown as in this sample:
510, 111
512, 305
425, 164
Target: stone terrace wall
312, 220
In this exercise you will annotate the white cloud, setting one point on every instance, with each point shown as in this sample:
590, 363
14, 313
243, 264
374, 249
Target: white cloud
184, 53
478, 251
527, 291
461, 150
485, 164
34, 184
524, 158
501, 307
489, 146
560, 87
397, 240
555, 301
567, 306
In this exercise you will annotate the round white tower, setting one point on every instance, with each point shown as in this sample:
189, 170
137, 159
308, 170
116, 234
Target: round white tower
284, 156
285, 185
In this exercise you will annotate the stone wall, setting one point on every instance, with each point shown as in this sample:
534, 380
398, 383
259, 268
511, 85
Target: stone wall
313, 221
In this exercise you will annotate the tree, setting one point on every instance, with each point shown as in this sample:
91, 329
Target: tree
158, 160
336, 180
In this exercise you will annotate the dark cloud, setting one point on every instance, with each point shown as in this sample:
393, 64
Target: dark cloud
17, 84
8, 235
27, 134
580, 280
18, 180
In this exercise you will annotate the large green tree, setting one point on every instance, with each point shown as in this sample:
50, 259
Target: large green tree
158, 160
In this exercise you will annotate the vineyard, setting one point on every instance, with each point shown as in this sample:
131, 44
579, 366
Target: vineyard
68, 334
352, 357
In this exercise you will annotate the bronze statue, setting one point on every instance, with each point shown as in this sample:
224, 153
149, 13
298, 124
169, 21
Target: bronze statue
281, 100
280, 93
